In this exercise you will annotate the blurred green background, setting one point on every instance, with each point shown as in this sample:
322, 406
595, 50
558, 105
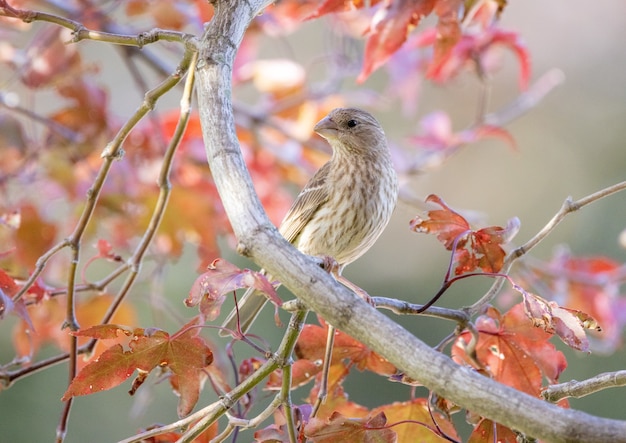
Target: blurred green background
572, 144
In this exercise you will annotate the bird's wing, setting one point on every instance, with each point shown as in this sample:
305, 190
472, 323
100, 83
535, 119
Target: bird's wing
308, 202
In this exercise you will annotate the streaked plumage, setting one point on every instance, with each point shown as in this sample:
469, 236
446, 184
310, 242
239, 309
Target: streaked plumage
345, 206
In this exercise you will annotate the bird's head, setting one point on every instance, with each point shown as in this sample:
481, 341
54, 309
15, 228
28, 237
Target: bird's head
351, 129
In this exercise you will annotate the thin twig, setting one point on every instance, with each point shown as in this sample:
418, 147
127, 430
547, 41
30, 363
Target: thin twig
40, 264
578, 389
328, 356
285, 395
80, 32
9, 378
568, 207
260, 418
224, 434
135, 261
402, 307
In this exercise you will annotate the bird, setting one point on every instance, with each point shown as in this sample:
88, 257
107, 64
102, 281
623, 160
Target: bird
344, 207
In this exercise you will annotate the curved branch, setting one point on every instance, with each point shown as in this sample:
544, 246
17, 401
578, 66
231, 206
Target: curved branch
259, 240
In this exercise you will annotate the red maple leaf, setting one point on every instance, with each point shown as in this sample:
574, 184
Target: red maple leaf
513, 351
568, 324
312, 342
184, 353
589, 287
272, 433
470, 48
302, 371
486, 430
221, 278
413, 421
395, 19
472, 249
591, 284
341, 428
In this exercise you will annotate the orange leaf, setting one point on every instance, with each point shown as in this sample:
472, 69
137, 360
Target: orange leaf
312, 342
86, 112
302, 371
473, 249
222, 277
486, 430
471, 47
338, 401
33, 237
513, 351
445, 223
185, 354
272, 434
568, 324
340, 428
590, 285
390, 27
412, 421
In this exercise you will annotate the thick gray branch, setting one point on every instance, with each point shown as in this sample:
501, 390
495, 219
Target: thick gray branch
339, 306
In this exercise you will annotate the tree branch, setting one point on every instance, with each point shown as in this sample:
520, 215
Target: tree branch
259, 240
80, 32
578, 389
567, 207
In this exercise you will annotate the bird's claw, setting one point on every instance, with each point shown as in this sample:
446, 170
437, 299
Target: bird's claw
328, 264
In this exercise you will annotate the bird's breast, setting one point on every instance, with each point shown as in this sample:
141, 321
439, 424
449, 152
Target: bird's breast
360, 204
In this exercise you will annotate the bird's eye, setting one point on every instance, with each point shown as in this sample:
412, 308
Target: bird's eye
352, 123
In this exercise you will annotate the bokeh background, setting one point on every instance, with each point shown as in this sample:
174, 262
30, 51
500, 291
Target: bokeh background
571, 144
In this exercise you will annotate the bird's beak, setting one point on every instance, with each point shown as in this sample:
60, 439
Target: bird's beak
327, 128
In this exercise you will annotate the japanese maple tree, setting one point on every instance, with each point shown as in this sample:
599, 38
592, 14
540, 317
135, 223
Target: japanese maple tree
100, 211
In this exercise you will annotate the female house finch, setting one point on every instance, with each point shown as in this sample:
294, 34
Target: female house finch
345, 206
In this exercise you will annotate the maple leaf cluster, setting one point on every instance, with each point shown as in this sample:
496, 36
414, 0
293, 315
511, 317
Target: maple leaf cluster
339, 418
483, 251
472, 249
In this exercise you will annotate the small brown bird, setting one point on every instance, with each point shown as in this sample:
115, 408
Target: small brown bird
345, 206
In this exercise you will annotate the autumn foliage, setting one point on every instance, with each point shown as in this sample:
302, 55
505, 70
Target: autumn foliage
91, 199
